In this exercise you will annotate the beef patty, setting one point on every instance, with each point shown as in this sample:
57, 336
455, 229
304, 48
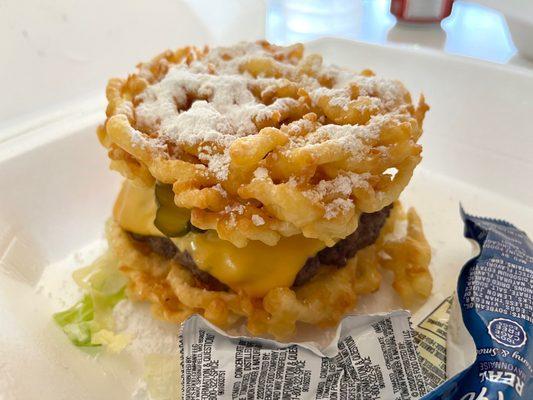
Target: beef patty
366, 233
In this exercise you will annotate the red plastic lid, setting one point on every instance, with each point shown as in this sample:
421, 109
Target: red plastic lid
421, 10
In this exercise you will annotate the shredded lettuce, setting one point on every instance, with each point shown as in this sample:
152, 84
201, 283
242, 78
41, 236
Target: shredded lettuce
89, 322
76, 321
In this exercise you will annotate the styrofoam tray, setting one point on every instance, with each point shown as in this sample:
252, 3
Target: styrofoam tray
57, 192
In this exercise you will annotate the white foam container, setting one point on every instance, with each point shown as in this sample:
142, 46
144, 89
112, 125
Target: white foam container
57, 191
519, 16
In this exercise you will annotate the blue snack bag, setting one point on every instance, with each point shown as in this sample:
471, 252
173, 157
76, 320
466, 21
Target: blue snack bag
495, 294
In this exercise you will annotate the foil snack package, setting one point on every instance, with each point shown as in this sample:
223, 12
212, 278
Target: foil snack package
374, 358
495, 297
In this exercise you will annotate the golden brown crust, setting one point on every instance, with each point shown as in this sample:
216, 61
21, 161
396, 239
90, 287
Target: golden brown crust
318, 150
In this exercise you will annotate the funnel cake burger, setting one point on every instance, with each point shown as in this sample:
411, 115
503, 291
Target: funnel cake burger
262, 186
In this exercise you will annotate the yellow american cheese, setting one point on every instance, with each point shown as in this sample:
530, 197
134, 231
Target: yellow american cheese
135, 209
254, 269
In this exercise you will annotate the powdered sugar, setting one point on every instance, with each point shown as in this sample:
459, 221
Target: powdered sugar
215, 124
257, 220
148, 334
337, 97
335, 193
206, 105
218, 187
337, 207
350, 138
342, 184
391, 93
261, 173
382, 93
233, 211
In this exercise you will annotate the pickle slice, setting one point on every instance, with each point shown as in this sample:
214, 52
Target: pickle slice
195, 229
171, 220
164, 195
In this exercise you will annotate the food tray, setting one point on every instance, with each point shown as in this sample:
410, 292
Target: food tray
57, 192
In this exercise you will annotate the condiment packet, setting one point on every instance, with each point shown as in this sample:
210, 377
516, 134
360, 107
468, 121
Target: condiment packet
495, 298
374, 358
430, 337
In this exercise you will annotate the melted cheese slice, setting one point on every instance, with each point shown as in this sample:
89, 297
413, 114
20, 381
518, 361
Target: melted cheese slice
135, 209
253, 270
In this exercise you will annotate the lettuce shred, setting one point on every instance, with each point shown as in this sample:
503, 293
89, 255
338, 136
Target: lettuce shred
89, 322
